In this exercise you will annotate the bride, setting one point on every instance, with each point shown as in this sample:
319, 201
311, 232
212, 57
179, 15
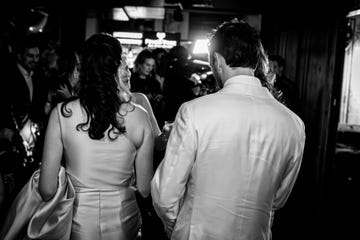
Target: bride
105, 142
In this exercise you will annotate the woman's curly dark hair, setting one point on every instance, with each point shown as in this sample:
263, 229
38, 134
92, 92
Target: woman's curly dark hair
261, 73
101, 93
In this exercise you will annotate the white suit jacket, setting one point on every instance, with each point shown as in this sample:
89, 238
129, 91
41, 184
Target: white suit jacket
231, 160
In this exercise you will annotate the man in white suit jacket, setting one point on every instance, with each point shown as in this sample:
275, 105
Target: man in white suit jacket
232, 156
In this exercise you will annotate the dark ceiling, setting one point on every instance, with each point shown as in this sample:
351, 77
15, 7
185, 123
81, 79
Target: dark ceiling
290, 7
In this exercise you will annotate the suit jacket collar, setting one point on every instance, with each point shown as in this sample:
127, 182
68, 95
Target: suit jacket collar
246, 85
23, 71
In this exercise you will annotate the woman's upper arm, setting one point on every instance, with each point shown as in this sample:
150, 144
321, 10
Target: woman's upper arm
141, 132
144, 163
52, 154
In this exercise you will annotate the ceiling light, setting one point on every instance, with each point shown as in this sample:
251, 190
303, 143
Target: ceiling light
201, 46
203, 3
39, 19
120, 15
137, 12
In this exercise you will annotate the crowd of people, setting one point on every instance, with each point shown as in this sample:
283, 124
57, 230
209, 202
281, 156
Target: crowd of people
168, 79
87, 147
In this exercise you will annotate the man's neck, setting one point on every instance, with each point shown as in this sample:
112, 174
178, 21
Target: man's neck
237, 71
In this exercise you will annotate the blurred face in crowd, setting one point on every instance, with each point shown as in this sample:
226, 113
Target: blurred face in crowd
74, 77
275, 68
159, 57
124, 73
146, 67
49, 58
30, 58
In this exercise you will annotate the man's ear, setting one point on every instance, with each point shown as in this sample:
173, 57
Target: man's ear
218, 62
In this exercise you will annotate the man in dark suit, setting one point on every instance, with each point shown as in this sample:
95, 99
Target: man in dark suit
22, 113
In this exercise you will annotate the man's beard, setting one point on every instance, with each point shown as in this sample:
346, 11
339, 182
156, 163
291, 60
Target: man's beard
31, 66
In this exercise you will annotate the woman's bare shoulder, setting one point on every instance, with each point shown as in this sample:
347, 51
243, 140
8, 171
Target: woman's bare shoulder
140, 98
137, 124
133, 112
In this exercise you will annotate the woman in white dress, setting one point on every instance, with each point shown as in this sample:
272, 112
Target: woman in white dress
107, 142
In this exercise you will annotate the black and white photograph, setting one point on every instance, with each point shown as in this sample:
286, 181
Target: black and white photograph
179, 120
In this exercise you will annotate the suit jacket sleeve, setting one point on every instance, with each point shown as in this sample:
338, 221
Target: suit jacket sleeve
169, 182
292, 171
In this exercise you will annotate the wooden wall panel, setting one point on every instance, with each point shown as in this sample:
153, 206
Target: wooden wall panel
310, 49
290, 52
317, 98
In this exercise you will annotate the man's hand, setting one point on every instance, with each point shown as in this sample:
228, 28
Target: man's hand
169, 227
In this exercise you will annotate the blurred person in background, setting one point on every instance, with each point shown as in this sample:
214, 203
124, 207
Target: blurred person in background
48, 63
196, 85
138, 97
233, 156
160, 55
22, 103
7, 38
143, 81
177, 84
287, 89
67, 78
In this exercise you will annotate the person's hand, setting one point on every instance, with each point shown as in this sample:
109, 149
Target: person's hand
64, 92
195, 78
162, 139
167, 129
169, 227
158, 97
